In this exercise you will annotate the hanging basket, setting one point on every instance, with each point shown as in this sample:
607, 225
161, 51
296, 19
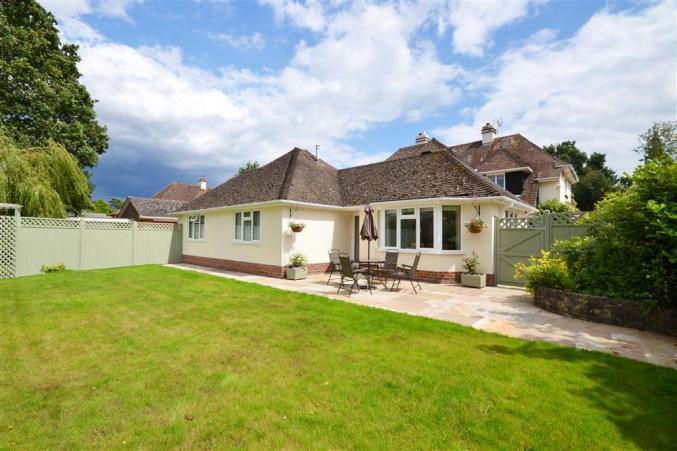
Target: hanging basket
475, 226
297, 227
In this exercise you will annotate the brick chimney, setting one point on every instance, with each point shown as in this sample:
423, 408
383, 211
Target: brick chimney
203, 183
488, 134
422, 138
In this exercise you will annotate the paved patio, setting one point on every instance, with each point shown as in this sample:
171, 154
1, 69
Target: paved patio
506, 311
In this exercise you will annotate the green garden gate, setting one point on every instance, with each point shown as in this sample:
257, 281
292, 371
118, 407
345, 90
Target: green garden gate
517, 239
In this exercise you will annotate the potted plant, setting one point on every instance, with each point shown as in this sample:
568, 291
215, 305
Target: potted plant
297, 266
475, 226
296, 227
471, 278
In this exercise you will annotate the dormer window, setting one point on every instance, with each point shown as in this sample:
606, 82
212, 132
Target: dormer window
498, 179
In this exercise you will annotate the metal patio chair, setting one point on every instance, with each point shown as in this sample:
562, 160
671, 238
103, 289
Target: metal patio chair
388, 266
407, 272
334, 263
348, 274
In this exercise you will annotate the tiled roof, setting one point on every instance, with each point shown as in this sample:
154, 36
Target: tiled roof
417, 149
148, 207
505, 152
298, 176
184, 192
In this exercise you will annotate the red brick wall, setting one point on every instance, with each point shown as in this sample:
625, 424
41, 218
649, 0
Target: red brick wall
232, 265
313, 268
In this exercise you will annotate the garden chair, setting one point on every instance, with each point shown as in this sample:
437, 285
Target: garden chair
389, 265
334, 263
407, 272
348, 274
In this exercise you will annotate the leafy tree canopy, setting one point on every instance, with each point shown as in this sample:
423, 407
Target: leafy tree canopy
595, 177
554, 206
250, 166
116, 203
40, 95
100, 206
660, 141
46, 181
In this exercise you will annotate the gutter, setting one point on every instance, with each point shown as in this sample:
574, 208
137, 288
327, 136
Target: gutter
501, 199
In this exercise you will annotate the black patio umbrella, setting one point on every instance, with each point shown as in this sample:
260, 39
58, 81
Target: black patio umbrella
368, 231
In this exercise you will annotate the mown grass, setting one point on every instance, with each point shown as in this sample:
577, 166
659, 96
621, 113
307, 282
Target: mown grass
153, 357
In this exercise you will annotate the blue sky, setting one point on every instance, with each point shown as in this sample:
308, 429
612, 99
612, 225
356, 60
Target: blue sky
191, 88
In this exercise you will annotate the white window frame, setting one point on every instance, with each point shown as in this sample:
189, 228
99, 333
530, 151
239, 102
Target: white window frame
437, 229
243, 220
494, 178
200, 221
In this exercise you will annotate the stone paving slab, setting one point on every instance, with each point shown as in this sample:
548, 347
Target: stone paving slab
507, 311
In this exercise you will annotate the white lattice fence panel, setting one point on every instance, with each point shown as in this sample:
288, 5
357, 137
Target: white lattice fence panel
50, 223
157, 226
8, 238
566, 218
530, 222
107, 225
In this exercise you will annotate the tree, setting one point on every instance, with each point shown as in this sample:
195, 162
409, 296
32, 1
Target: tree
45, 181
41, 97
116, 203
595, 178
660, 141
100, 206
250, 166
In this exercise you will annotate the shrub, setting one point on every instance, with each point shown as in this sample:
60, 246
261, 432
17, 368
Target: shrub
297, 260
57, 267
549, 271
471, 264
554, 206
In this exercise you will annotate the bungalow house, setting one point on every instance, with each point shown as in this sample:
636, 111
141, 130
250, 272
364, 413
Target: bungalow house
161, 207
422, 196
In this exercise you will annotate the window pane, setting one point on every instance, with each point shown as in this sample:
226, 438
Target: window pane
238, 226
500, 180
391, 228
408, 233
190, 227
247, 214
202, 227
247, 230
427, 236
257, 225
451, 228
407, 211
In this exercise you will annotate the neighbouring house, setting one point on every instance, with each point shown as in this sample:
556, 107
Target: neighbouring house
512, 162
422, 195
163, 205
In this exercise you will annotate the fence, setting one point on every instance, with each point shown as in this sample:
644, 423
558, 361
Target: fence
517, 239
28, 243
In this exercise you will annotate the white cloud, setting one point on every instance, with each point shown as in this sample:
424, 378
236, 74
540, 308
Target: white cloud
305, 14
475, 21
601, 87
159, 108
241, 42
69, 16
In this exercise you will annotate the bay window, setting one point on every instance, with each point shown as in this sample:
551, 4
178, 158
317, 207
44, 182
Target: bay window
426, 228
196, 227
248, 226
451, 228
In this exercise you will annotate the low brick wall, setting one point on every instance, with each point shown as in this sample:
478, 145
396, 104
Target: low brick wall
251, 268
233, 265
619, 312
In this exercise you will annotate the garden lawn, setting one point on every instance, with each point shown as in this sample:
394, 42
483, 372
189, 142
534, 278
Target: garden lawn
155, 357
